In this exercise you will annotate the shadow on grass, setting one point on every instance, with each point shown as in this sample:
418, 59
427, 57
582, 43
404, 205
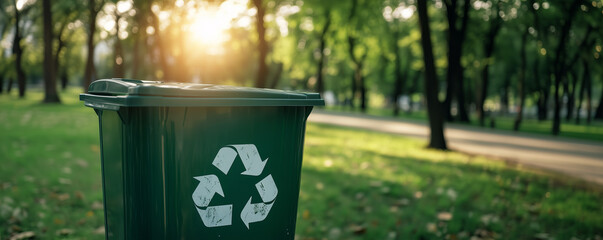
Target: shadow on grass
350, 191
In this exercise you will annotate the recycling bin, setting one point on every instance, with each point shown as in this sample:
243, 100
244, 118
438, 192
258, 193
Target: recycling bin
199, 161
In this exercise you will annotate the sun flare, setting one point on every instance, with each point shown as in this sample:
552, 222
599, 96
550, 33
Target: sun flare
209, 29
209, 25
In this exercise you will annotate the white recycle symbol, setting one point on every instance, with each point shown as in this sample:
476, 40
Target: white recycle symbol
209, 185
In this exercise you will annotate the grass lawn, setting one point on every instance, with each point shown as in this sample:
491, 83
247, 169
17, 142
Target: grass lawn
592, 131
355, 185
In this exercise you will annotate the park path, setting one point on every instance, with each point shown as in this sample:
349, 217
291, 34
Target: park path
578, 158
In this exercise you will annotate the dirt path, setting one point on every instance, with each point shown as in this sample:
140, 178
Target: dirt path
578, 158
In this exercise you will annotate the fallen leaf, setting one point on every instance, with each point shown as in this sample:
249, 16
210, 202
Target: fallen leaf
306, 214
418, 195
65, 181
63, 196
81, 163
23, 235
100, 230
64, 232
58, 221
375, 183
359, 196
403, 201
358, 230
451, 194
95, 148
89, 214
97, 205
431, 227
79, 195
444, 216
28, 178
541, 236
334, 233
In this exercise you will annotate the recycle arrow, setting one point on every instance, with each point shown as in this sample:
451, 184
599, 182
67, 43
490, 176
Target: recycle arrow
213, 216
249, 156
257, 212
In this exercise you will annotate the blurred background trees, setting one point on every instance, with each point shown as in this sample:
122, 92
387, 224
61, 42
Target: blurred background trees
520, 58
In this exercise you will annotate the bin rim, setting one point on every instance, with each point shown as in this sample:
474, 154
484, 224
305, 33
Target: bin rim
115, 93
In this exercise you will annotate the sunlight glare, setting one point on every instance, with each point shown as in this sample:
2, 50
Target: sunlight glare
124, 6
21, 3
209, 28
209, 24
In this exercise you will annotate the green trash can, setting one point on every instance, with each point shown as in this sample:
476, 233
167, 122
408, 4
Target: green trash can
199, 161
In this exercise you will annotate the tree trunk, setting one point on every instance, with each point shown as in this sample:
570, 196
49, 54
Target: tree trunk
139, 42
262, 44
599, 111
50, 83
452, 51
118, 59
277, 75
161, 48
434, 108
482, 93
495, 25
460, 86
588, 93
354, 88
571, 96
64, 79
455, 87
543, 92
1, 84
89, 71
9, 86
560, 68
57, 65
504, 96
521, 80
585, 75
363, 98
399, 81
18, 52
320, 85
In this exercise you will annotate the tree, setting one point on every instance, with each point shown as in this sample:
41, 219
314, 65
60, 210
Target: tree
559, 64
320, 85
396, 14
434, 106
94, 8
454, 76
66, 19
262, 73
358, 79
521, 91
50, 85
18, 50
4, 25
495, 24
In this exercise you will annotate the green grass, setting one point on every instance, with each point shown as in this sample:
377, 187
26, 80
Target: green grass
592, 131
355, 185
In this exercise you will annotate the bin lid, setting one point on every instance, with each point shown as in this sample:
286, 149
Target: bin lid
117, 92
